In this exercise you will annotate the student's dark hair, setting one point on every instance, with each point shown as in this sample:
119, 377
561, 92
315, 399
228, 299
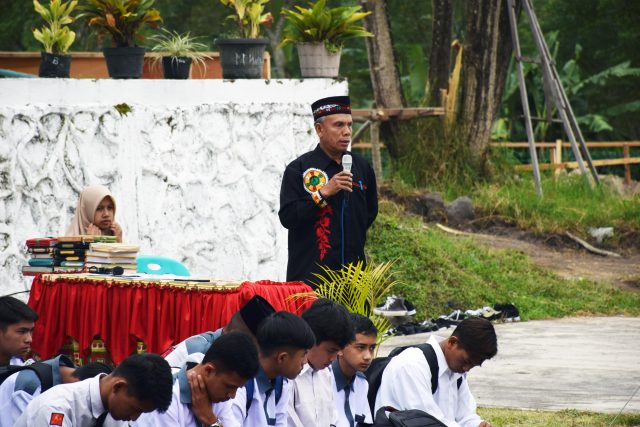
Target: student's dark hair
90, 370
12, 311
363, 325
329, 321
148, 377
478, 337
284, 329
234, 352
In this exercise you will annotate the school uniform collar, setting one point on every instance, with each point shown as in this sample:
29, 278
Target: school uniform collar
321, 159
341, 381
183, 383
264, 383
97, 408
443, 367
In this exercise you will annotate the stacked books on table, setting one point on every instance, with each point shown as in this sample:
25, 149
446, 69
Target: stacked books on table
40, 252
69, 253
111, 255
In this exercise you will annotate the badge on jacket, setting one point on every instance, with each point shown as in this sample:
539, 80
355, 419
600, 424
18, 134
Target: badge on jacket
314, 179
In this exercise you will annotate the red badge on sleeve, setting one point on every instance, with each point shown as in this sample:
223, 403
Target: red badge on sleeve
56, 419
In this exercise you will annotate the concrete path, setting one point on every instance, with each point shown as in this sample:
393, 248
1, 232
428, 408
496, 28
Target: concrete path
585, 363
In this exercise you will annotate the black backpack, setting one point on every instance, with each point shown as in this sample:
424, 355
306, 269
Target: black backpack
42, 370
408, 418
375, 371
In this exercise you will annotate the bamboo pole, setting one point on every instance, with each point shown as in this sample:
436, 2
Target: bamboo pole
627, 166
375, 151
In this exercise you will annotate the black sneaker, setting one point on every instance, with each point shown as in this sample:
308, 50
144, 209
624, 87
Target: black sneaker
411, 310
393, 306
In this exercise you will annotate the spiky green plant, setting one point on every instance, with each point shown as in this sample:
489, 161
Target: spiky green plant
56, 37
321, 24
174, 44
360, 289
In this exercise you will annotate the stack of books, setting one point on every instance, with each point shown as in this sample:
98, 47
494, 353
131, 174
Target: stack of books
40, 252
110, 255
69, 253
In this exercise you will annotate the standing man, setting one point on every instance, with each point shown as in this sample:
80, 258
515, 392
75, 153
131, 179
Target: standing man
326, 209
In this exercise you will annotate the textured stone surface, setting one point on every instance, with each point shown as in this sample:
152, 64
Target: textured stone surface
193, 180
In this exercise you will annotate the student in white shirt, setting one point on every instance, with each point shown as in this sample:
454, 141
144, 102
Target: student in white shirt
284, 340
17, 321
406, 380
201, 391
311, 403
22, 387
350, 384
246, 320
141, 383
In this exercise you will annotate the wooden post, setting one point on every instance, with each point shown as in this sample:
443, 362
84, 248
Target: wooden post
375, 151
557, 158
627, 166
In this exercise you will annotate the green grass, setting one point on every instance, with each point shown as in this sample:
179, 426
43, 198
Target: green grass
568, 204
566, 418
441, 272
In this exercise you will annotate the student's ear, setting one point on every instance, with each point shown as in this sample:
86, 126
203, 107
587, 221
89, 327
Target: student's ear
210, 368
341, 353
282, 357
120, 385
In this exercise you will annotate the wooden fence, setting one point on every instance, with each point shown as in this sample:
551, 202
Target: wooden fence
557, 163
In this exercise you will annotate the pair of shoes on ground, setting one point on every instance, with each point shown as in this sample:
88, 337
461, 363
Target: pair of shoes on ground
499, 312
395, 306
411, 328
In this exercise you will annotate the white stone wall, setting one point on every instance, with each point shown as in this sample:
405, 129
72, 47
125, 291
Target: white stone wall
195, 167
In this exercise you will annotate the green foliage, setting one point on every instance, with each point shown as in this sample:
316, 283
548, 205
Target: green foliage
56, 37
174, 44
439, 272
569, 204
122, 19
321, 24
504, 417
248, 15
360, 289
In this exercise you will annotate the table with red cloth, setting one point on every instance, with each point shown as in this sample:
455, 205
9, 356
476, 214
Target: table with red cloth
123, 311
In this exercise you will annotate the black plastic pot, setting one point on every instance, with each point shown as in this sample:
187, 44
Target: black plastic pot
124, 62
241, 58
176, 67
54, 65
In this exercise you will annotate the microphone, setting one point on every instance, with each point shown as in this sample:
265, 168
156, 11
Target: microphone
347, 162
115, 271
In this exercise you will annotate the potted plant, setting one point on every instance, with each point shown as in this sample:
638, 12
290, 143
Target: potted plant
242, 57
177, 52
56, 37
319, 33
122, 19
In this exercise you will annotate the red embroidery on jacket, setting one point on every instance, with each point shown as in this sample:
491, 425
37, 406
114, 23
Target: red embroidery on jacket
322, 230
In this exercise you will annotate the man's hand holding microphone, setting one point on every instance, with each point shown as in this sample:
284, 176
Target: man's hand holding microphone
340, 181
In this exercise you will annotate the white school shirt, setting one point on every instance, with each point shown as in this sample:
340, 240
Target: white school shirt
22, 387
406, 384
197, 344
75, 404
260, 415
179, 411
311, 402
358, 403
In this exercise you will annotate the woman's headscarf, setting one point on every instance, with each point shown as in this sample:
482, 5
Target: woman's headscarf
90, 198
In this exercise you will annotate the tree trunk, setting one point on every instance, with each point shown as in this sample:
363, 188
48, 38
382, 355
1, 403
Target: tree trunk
274, 34
385, 79
440, 57
487, 51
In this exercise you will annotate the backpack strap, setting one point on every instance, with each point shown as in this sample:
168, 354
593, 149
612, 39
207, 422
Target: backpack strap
42, 370
432, 360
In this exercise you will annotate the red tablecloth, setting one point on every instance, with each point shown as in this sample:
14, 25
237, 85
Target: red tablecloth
123, 311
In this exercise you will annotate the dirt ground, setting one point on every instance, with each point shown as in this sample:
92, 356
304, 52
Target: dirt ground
572, 263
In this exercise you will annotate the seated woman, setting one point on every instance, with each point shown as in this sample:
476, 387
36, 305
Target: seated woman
95, 214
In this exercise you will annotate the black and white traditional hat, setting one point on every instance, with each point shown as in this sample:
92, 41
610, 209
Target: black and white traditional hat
255, 311
331, 105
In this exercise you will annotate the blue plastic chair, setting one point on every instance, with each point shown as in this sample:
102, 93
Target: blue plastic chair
152, 264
